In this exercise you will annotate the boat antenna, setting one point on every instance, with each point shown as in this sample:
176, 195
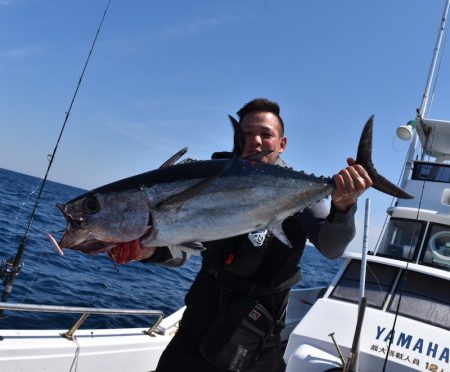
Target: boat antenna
11, 267
421, 113
431, 74
424, 107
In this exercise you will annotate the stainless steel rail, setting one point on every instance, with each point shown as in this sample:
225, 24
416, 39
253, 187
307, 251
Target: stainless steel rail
85, 311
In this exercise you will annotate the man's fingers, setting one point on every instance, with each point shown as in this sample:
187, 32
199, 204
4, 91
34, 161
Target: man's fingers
356, 178
351, 161
347, 181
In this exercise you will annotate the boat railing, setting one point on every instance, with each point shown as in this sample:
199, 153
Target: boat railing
85, 311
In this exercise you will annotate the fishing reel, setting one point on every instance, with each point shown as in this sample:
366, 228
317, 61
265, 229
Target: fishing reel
8, 270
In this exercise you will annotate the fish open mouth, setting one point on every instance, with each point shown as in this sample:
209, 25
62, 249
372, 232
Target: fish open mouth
79, 238
89, 247
95, 246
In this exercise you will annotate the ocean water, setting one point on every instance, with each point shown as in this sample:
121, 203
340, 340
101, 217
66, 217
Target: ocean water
76, 279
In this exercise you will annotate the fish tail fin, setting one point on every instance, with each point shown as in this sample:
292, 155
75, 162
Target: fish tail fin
364, 158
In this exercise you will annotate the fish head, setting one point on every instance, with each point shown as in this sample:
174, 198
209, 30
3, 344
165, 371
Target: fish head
98, 220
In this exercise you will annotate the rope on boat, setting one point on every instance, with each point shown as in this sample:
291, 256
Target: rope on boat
13, 266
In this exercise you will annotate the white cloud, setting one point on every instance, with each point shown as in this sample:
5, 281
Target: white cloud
6, 3
147, 134
169, 33
183, 29
19, 52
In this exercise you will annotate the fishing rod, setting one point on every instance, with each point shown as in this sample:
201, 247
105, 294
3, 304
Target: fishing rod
10, 269
352, 363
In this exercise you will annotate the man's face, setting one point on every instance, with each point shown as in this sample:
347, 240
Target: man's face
262, 132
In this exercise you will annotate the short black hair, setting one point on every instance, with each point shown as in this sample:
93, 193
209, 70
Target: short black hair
261, 105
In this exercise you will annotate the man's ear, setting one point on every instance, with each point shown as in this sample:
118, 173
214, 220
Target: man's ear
283, 144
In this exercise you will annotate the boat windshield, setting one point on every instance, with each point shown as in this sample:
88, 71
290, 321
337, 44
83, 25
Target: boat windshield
434, 172
402, 239
436, 250
412, 294
423, 297
379, 281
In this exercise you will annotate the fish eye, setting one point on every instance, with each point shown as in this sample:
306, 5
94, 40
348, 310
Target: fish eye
91, 204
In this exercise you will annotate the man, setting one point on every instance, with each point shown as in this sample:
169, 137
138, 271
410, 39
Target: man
252, 274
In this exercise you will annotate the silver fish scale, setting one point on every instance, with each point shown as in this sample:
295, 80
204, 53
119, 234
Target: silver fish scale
252, 202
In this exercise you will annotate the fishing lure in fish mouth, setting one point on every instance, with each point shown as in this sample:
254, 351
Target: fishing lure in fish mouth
55, 244
187, 203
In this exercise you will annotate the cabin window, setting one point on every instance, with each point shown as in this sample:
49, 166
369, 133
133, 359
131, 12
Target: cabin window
434, 172
402, 239
379, 280
424, 298
436, 251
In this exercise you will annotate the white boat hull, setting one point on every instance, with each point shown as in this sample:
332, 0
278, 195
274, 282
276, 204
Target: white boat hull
415, 345
119, 350
112, 350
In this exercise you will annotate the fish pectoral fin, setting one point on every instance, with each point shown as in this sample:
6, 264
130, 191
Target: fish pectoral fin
276, 229
171, 161
197, 246
178, 200
193, 248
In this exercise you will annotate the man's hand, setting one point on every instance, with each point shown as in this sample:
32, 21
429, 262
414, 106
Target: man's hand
350, 182
130, 251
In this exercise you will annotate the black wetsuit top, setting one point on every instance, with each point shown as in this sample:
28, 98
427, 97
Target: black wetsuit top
235, 266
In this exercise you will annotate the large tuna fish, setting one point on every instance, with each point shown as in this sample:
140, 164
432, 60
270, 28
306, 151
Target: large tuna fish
200, 201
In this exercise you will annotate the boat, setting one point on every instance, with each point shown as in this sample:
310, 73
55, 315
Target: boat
386, 309
389, 309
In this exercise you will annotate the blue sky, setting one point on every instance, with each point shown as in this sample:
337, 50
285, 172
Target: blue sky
165, 74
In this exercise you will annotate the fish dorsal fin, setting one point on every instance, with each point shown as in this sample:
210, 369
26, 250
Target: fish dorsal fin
178, 200
171, 161
364, 158
238, 139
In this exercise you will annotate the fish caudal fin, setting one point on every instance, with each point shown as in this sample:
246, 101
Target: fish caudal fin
364, 158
